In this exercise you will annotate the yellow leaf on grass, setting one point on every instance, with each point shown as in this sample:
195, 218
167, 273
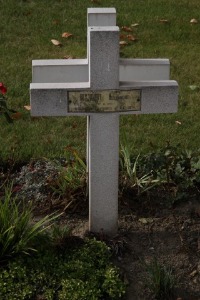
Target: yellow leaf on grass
193, 21
66, 34
178, 122
134, 25
56, 42
123, 43
27, 107
164, 21
194, 87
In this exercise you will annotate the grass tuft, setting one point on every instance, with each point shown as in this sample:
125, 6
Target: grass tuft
17, 233
161, 281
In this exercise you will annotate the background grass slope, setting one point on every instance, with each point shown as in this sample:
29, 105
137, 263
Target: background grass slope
26, 30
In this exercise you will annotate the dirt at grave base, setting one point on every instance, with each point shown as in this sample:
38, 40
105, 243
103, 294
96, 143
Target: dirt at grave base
172, 236
146, 231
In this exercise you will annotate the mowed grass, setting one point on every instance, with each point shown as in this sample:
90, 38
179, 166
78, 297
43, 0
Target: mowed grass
26, 30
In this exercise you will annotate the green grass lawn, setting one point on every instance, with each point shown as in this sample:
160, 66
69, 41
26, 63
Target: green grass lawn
26, 30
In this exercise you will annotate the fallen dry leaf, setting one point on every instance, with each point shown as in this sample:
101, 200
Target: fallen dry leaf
193, 21
146, 220
27, 107
123, 43
16, 116
56, 42
66, 34
194, 87
164, 21
56, 22
68, 57
178, 122
193, 273
131, 37
125, 28
134, 25
122, 36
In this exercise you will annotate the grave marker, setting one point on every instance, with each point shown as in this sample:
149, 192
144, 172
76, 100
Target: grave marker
102, 87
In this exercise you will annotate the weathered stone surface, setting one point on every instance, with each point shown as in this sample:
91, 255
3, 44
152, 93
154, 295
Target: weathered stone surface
101, 16
60, 70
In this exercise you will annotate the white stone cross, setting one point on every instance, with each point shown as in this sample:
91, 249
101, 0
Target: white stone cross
102, 87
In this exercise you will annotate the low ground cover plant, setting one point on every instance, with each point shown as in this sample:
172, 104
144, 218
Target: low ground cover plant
170, 172
17, 234
56, 265
161, 280
83, 273
36, 263
71, 179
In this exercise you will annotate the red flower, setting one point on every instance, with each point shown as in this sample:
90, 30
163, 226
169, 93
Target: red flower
3, 89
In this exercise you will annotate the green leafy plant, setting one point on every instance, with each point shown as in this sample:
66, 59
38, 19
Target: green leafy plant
131, 175
3, 104
161, 280
72, 179
113, 284
178, 171
170, 174
82, 273
80, 289
17, 233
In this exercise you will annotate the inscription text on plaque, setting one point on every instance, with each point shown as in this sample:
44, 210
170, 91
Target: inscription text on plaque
104, 101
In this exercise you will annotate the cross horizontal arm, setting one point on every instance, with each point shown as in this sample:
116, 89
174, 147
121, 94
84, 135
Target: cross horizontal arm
156, 96
144, 69
49, 99
76, 70
60, 70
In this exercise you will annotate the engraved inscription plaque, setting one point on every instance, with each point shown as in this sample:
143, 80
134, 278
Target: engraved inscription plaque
104, 101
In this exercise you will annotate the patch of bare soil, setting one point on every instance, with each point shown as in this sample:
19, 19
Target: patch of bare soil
146, 231
172, 236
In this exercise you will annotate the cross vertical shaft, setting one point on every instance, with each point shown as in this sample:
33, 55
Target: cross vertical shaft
103, 133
